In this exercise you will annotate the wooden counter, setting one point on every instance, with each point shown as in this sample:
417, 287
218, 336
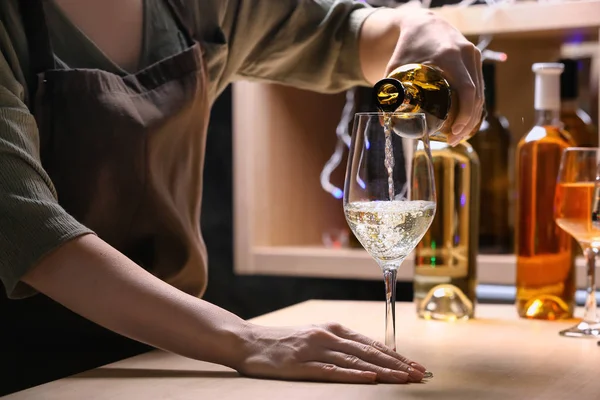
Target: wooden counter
496, 356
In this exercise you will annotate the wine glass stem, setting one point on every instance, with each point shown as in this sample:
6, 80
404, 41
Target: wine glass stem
389, 276
591, 314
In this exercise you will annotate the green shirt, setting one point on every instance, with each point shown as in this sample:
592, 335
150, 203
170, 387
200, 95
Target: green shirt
309, 44
73, 49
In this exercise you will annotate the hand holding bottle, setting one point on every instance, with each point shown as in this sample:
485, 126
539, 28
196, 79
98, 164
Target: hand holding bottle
415, 35
428, 39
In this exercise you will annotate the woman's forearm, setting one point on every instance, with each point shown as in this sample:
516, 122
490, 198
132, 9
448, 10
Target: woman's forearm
94, 280
378, 38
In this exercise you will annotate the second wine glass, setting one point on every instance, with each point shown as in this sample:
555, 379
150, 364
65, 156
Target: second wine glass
389, 193
577, 211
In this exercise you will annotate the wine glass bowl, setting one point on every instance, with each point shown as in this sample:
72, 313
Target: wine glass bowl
389, 192
576, 211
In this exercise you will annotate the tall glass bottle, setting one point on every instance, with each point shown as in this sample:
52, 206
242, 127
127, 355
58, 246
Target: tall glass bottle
576, 121
446, 258
545, 267
493, 144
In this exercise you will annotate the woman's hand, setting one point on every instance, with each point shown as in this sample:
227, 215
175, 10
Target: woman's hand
327, 352
414, 35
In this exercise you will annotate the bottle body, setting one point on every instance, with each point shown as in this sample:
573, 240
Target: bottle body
493, 144
579, 125
576, 121
420, 88
446, 258
545, 262
545, 266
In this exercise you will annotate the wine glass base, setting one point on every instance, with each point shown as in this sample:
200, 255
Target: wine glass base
583, 330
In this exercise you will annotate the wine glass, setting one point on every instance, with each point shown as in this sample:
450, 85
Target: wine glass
576, 211
389, 193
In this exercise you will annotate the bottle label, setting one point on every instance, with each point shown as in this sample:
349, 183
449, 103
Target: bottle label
454, 271
451, 263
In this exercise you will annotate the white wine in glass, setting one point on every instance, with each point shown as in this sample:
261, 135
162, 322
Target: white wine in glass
576, 211
389, 197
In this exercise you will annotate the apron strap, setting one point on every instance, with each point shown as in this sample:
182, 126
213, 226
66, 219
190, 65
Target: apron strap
41, 56
178, 10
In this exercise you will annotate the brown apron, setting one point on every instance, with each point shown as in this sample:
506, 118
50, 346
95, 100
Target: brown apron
125, 156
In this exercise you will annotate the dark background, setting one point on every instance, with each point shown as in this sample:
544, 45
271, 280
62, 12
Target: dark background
41, 341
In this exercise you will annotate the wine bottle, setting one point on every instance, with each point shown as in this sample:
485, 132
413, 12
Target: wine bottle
493, 144
420, 88
576, 121
446, 258
545, 266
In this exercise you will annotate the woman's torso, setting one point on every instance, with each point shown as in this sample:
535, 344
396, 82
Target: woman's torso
72, 33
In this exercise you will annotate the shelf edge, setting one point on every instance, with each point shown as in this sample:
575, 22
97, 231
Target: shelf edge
317, 262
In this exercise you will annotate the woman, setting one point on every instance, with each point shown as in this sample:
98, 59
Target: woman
104, 106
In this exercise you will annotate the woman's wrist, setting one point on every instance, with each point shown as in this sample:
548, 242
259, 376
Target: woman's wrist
378, 39
222, 337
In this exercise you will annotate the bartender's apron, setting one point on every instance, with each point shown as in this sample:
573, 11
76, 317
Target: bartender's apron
125, 155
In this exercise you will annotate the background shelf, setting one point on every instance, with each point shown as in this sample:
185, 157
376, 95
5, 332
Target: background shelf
528, 19
319, 262
284, 136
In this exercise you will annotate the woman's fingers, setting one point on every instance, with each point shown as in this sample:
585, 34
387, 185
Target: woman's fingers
350, 335
328, 352
352, 362
467, 78
373, 356
328, 372
472, 58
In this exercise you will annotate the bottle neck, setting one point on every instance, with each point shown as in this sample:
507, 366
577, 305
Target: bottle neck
547, 118
547, 92
569, 105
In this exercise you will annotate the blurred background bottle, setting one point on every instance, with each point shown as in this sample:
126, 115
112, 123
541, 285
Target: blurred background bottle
545, 266
576, 121
493, 145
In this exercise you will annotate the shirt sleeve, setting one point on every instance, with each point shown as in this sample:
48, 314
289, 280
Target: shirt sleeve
32, 223
309, 44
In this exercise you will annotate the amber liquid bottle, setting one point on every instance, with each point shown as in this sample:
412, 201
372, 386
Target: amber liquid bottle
576, 121
493, 144
545, 268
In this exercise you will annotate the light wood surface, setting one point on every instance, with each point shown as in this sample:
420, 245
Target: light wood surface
496, 356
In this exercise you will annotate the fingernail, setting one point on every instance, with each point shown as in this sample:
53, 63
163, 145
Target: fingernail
427, 375
414, 375
418, 366
458, 128
400, 376
370, 375
453, 140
